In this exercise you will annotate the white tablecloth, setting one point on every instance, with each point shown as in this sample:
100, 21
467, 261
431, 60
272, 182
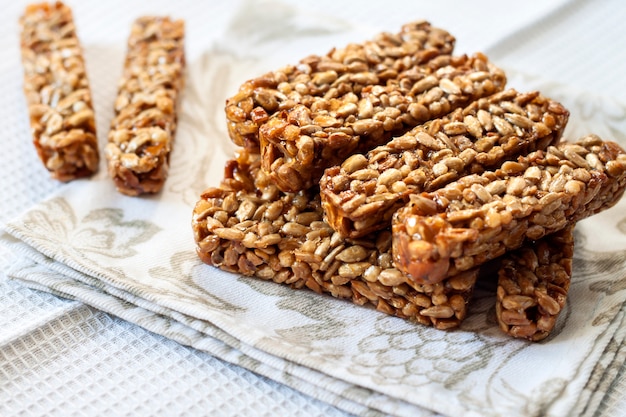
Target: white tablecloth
61, 357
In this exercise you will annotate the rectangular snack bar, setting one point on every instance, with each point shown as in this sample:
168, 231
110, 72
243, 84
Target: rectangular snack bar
299, 143
249, 227
533, 283
57, 92
142, 131
480, 217
360, 195
340, 71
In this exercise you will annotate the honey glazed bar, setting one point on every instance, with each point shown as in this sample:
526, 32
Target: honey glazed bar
57, 92
533, 283
143, 129
480, 217
340, 71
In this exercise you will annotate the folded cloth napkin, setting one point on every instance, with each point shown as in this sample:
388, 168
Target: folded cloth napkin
135, 258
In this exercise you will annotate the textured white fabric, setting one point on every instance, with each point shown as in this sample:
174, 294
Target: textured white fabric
134, 257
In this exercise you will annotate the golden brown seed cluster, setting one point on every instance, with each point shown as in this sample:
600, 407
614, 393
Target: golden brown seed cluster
532, 285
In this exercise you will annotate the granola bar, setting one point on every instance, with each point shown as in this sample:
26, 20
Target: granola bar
57, 92
250, 227
533, 282
142, 131
360, 195
299, 143
340, 71
480, 217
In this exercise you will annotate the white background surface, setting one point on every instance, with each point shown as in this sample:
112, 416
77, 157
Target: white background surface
63, 358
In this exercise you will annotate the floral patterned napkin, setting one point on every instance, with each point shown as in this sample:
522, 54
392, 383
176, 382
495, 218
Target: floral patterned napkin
135, 258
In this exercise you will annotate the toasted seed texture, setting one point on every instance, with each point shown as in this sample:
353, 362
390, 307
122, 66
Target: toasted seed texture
142, 131
360, 195
339, 72
533, 283
248, 226
57, 92
454, 229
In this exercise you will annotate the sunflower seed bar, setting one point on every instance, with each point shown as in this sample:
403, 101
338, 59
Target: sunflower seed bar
299, 143
533, 282
142, 132
57, 92
361, 195
249, 227
339, 72
480, 217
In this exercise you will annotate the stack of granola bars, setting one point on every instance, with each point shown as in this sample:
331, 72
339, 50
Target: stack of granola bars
393, 173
